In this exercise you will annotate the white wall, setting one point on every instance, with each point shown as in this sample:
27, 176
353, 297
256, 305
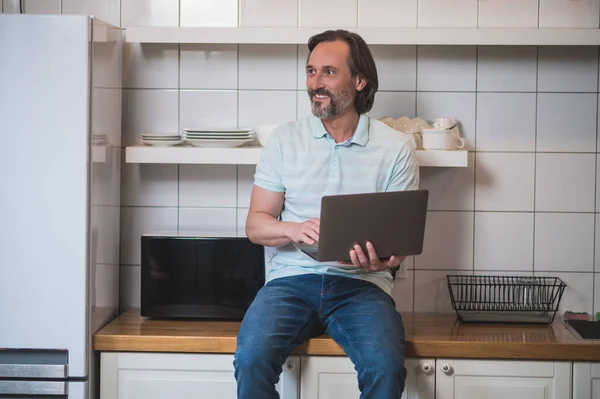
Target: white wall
526, 204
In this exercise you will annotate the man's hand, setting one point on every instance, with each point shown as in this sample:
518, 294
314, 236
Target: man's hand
305, 232
370, 262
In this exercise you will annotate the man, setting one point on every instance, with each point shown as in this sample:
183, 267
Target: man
337, 150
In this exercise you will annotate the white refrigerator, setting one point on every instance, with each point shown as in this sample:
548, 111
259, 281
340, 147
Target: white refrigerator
60, 138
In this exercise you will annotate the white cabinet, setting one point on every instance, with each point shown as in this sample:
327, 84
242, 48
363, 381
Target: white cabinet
586, 380
126, 375
181, 376
324, 377
500, 379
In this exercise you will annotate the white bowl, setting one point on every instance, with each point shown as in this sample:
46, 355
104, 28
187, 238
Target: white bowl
263, 131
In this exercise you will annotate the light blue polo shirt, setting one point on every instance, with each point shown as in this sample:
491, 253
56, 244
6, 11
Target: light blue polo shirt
303, 161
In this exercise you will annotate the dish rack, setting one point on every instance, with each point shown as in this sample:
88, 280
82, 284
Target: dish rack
505, 298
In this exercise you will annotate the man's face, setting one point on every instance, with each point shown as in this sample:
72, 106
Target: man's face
331, 87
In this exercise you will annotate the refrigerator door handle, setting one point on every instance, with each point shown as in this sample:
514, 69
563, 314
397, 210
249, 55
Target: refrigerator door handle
47, 388
33, 371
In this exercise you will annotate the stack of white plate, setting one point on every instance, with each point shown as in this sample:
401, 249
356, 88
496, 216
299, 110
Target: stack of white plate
215, 138
161, 139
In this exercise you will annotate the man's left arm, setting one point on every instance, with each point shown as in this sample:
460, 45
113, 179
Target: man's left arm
405, 173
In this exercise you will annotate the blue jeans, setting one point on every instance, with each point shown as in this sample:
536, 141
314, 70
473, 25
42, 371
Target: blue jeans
287, 311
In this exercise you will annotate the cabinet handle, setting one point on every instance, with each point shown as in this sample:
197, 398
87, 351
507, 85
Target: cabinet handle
426, 367
289, 365
446, 368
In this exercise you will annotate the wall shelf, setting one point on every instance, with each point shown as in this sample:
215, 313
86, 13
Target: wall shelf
251, 156
414, 36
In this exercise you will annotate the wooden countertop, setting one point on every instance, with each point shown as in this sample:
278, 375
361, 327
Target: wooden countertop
427, 335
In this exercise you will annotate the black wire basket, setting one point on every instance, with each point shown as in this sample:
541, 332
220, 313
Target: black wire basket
505, 298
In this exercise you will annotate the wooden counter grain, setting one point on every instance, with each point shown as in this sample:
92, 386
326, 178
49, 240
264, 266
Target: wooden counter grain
427, 335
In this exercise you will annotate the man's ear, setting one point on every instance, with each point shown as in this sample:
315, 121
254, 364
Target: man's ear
360, 84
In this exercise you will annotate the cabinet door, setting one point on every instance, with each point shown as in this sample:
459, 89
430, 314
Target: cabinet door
323, 377
181, 376
586, 380
500, 379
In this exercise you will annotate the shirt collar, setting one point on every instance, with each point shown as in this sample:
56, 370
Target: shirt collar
361, 134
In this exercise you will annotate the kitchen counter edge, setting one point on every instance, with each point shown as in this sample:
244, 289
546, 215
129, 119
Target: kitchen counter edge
438, 335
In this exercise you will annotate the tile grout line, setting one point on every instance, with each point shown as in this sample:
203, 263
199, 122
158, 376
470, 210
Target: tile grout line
535, 137
596, 192
237, 167
379, 91
178, 131
475, 145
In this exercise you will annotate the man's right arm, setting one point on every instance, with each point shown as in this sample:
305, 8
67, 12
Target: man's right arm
264, 228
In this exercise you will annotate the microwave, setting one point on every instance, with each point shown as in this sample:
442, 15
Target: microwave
201, 278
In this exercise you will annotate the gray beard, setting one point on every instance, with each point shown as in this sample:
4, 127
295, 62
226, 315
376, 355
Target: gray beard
337, 105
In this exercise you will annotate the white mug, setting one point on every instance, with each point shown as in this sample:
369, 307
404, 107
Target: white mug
441, 139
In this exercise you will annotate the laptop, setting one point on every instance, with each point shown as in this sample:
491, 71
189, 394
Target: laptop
393, 221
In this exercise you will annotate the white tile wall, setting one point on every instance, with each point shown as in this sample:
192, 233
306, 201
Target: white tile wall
447, 14
568, 69
106, 276
448, 241
597, 203
302, 60
569, 13
504, 241
501, 14
149, 13
539, 205
327, 14
403, 292
450, 189
150, 66
303, 108
264, 67
130, 287
507, 68
212, 13
103, 193
431, 290
208, 66
208, 222
208, 108
136, 221
564, 242
149, 111
506, 122
258, 107
209, 186
106, 10
149, 185
42, 6
107, 250
245, 182
566, 122
565, 189
447, 68
390, 103
504, 182
269, 13
396, 67
242, 214
387, 13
